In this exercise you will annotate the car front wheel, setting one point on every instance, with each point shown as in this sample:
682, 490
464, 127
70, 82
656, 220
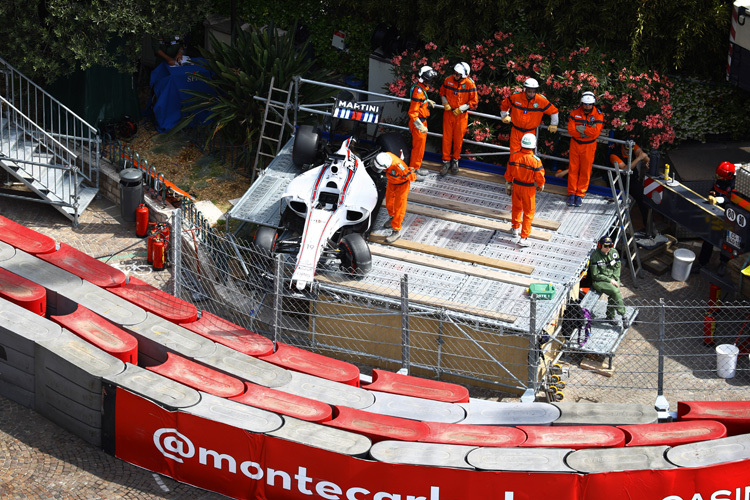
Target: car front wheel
356, 259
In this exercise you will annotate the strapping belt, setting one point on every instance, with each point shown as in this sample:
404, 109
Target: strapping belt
527, 184
523, 129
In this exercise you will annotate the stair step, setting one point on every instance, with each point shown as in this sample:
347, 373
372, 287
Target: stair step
85, 196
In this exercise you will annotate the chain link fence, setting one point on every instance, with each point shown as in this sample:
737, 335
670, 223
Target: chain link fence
669, 349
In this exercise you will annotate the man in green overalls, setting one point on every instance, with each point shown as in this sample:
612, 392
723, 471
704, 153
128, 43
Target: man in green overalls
604, 269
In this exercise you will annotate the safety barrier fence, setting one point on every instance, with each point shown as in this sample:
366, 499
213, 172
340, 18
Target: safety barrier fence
122, 155
665, 352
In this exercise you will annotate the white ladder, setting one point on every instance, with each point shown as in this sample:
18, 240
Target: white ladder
625, 221
270, 142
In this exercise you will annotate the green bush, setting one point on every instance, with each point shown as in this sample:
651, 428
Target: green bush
242, 71
354, 59
703, 110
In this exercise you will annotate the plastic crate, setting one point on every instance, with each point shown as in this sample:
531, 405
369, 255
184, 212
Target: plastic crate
542, 290
742, 183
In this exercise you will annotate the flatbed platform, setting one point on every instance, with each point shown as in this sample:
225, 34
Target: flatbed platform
456, 246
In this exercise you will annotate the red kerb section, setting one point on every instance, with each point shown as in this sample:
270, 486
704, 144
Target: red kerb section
394, 383
199, 377
285, 403
155, 301
233, 336
85, 267
299, 360
98, 331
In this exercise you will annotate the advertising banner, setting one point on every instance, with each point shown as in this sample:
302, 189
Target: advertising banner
244, 465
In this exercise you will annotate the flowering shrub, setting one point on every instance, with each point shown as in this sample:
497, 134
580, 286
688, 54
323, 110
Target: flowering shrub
635, 104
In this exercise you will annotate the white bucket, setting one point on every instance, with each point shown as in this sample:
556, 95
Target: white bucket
726, 360
683, 261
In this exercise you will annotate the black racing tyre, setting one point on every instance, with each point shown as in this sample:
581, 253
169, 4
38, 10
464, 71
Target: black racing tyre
306, 146
264, 243
356, 259
394, 142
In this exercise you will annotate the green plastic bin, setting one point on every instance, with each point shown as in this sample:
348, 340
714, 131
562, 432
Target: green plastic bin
542, 290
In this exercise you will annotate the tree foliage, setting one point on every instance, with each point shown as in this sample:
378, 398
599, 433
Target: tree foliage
46, 39
244, 70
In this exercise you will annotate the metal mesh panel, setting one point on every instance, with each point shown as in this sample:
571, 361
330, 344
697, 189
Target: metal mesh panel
404, 315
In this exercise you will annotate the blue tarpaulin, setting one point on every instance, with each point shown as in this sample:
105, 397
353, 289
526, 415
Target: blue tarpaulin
168, 83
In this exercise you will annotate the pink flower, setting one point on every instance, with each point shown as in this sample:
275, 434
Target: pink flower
430, 46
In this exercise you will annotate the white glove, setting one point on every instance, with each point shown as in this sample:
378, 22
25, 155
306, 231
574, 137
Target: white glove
430, 103
505, 119
552, 129
581, 128
508, 188
539, 189
420, 126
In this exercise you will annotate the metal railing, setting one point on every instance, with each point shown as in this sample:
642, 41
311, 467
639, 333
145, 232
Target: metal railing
48, 113
40, 155
665, 353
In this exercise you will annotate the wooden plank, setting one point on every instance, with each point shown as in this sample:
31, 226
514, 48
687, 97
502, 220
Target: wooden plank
421, 299
471, 220
455, 254
476, 210
394, 253
493, 177
597, 366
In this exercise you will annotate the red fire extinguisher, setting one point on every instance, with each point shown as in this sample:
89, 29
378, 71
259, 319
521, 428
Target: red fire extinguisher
709, 327
159, 254
152, 234
141, 220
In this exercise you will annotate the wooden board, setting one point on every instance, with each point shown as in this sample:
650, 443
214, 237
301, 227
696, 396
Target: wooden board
420, 299
471, 220
476, 210
455, 254
447, 265
492, 177
657, 265
600, 367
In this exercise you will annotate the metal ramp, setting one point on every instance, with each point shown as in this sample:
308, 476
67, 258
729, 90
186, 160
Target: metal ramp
270, 142
47, 150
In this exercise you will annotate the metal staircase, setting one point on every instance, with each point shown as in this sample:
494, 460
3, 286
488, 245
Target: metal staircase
49, 152
620, 193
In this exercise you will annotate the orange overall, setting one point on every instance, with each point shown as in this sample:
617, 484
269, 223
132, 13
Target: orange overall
399, 176
525, 171
525, 115
582, 148
457, 93
418, 110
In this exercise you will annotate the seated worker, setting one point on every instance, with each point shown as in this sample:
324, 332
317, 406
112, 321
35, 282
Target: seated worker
722, 190
169, 49
638, 165
604, 270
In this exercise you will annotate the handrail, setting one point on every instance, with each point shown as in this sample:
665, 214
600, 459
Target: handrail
37, 128
47, 94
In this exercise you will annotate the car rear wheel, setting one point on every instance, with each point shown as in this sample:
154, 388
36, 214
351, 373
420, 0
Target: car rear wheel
306, 146
393, 142
356, 259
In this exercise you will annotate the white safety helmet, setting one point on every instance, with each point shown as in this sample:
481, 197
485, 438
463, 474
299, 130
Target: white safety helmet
588, 98
427, 75
530, 83
382, 161
528, 141
462, 69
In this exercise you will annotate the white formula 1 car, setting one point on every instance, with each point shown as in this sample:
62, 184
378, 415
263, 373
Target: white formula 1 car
328, 210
